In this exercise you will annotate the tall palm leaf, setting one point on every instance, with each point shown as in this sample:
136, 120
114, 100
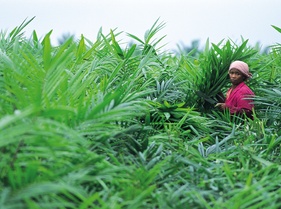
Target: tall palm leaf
214, 64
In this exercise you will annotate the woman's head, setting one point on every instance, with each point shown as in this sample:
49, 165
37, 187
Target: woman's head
242, 67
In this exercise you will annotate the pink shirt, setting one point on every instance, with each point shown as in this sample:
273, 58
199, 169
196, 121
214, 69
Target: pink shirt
236, 99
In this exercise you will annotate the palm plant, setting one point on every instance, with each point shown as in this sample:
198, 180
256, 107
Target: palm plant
207, 75
51, 99
98, 125
267, 101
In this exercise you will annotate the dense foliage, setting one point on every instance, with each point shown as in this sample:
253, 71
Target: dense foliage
102, 125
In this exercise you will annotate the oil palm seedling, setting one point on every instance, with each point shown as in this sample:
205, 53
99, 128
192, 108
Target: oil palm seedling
205, 78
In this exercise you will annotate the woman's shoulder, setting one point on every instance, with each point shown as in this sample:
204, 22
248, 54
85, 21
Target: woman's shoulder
246, 89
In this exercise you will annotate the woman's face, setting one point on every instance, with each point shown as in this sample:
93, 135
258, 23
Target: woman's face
236, 76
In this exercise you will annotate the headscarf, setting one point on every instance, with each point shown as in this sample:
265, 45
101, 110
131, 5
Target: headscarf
242, 67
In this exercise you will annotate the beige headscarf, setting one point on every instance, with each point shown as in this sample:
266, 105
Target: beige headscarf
242, 67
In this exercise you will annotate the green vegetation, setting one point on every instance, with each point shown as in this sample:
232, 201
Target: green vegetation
101, 125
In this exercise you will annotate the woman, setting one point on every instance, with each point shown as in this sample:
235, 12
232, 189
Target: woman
237, 97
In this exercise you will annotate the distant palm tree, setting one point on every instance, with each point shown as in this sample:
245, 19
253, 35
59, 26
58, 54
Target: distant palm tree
186, 49
65, 37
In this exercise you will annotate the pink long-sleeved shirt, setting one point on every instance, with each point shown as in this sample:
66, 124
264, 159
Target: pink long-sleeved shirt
238, 100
